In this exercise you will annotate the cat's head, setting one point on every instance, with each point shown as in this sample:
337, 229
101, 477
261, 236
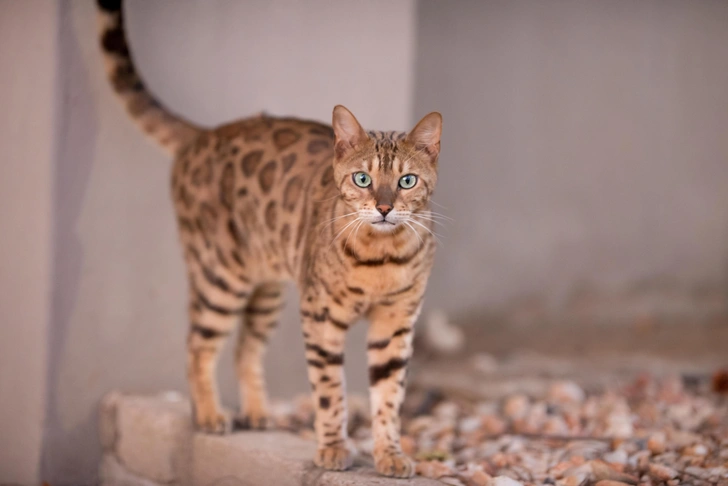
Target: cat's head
385, 177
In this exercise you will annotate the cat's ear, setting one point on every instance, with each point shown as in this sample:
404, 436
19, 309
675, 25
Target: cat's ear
425, 136
349, 134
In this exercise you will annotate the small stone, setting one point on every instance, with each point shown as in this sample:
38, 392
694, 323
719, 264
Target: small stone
566, 392
516, 406
493, 425
505, 481
656, 443
476, 476
433, 469
661, 472
616, 457
696, 450
469, 424
446, 411
609, 482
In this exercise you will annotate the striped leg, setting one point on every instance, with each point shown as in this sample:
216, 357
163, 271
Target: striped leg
211, 324
324, 337
216, 302
260, 318
389, 346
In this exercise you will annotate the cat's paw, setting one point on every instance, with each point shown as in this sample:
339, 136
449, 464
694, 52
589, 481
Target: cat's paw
213, 422
252, 421
394, 465
335, 458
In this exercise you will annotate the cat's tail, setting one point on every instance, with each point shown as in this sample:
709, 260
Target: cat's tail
161, 125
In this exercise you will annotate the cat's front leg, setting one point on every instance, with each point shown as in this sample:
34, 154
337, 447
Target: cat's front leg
389, 349
324, 335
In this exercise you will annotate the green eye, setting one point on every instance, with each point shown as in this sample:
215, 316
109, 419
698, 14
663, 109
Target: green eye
362, 179
408, 181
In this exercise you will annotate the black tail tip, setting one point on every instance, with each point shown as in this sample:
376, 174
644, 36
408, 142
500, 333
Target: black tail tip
109, 5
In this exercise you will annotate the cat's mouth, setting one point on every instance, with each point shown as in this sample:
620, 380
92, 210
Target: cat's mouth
384, 222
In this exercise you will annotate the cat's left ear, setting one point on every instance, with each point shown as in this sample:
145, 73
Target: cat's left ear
425, 136
349, 133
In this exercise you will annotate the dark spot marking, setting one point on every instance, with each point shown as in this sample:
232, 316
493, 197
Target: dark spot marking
207, 332
324, 378
292, 193
263, 311
322, 130
385, 370
271, 216
208, 215
355, 290
328, 176
379, 344
286, 234
114, 42
317, 146
285, 137
315, 363
218, 309
401, 332
267, 176
251, 161
227, 186
324, 402
288, 161
328, 357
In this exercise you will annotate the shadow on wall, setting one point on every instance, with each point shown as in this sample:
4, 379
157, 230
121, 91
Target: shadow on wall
76, 134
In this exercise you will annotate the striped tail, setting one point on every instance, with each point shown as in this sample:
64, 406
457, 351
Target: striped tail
161, 125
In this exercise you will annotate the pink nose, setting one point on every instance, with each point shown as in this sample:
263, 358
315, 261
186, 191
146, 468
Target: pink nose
384, 209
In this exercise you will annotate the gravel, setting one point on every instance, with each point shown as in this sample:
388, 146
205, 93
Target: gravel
652, 430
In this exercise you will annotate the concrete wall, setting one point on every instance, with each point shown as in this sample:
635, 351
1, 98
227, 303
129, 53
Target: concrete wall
590, 139
27, 95
119, 318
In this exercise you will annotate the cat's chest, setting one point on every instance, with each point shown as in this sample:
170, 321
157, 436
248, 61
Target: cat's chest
378, 283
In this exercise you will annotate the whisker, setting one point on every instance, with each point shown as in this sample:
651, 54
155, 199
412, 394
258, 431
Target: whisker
415, 232
437, 236
438, 204
356, 231
342, 231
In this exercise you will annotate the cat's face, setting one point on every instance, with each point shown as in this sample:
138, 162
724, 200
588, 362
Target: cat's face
386, 178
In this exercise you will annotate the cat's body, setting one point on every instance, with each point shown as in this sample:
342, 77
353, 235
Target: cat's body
266, 200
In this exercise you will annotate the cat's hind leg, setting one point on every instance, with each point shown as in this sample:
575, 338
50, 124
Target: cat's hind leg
216, 304
260, 317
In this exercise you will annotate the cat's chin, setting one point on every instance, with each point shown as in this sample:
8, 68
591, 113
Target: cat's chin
384, 226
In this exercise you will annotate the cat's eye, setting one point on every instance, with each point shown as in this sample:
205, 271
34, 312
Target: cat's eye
362, 179
408, 181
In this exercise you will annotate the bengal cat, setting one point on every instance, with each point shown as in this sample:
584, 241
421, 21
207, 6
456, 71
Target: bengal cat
342, 212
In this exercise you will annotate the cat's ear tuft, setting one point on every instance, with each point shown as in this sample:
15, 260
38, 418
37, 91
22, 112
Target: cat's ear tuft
349, 134
425, 136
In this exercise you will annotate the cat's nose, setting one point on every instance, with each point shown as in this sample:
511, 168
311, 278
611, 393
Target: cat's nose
384, 209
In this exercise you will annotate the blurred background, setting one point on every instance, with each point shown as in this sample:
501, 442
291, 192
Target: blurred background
584, 166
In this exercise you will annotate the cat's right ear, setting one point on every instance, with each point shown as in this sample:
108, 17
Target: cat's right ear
349, 134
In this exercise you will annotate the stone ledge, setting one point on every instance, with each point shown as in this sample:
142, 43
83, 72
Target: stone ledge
148, 440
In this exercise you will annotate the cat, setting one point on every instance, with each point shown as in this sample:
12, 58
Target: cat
342, 212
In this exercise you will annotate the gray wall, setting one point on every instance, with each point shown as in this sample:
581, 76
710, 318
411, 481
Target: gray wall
27, 92
119, 317
585, 152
